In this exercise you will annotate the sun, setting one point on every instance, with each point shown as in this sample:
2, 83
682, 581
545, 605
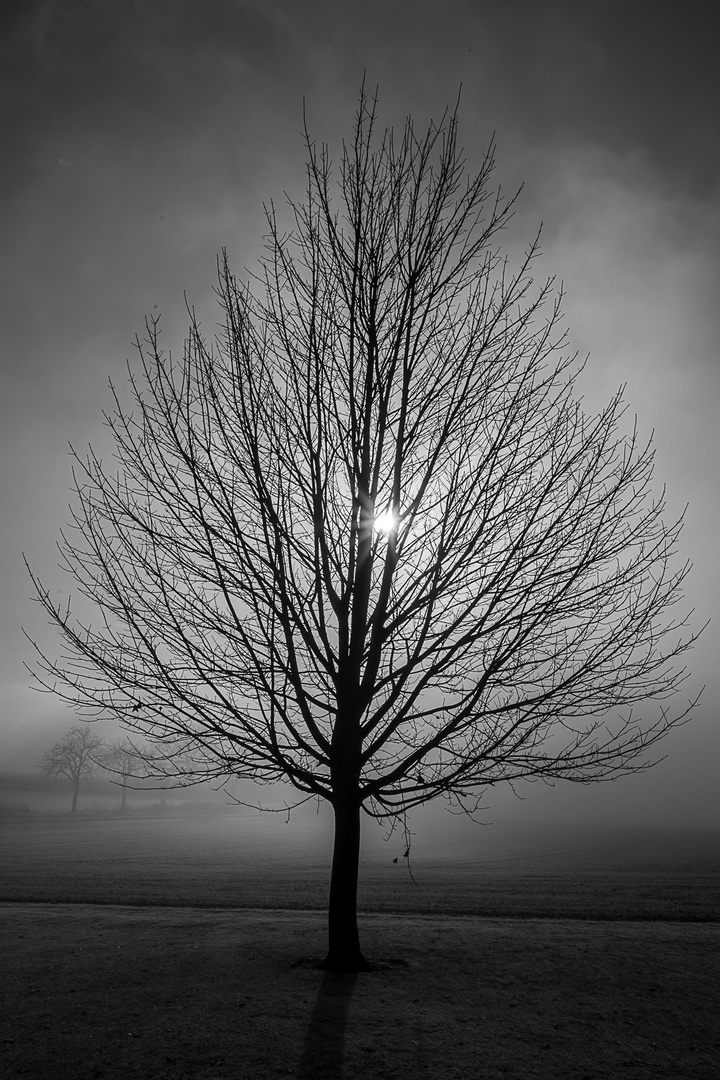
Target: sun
385, 522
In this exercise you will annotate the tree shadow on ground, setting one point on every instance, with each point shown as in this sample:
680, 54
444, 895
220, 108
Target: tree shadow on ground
322, 1057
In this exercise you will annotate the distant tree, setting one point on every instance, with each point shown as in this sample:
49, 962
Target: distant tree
121, 758
74, 755
367, 541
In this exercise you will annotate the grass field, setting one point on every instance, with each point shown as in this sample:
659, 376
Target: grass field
182, 947
244, 860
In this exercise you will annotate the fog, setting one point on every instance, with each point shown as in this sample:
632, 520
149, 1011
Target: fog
138, 146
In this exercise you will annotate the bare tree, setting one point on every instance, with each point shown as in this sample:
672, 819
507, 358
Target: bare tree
74, 755
367, 541
121, 758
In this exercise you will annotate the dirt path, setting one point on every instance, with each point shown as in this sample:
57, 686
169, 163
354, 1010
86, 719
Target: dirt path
120, 992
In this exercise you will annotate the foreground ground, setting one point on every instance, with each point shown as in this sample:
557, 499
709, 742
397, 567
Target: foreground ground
166, 949
122, 992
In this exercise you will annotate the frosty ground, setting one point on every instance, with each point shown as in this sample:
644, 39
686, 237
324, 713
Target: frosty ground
178, 948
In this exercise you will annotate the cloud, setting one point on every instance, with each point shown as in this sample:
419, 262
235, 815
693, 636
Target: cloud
641, 272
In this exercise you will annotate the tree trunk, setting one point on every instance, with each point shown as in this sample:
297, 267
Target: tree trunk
76, 792
124, 793
344, 952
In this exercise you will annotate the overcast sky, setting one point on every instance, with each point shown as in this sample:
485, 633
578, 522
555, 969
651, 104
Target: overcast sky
139, 138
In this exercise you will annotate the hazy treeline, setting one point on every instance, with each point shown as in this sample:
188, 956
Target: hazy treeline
97, 768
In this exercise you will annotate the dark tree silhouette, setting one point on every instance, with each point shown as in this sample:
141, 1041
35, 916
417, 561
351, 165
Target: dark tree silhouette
74, 755
367, 541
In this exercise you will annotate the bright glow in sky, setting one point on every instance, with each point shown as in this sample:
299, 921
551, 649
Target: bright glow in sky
385, 522
136, 146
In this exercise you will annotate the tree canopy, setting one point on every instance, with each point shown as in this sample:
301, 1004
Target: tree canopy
366, 540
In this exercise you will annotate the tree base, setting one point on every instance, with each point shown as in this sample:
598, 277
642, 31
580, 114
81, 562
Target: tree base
354, 963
